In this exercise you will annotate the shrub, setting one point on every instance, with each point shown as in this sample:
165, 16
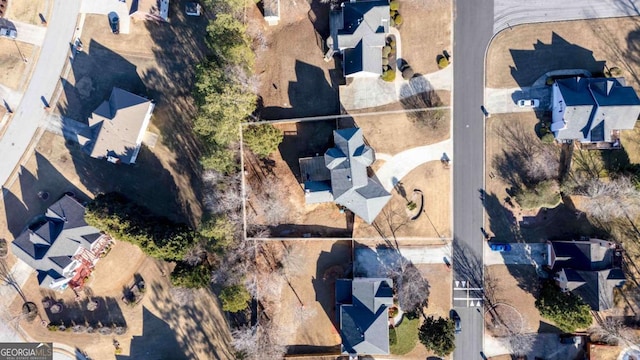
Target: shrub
543, 194
389, 75
407, 73
392, 13
386, 51
385, 61
393, 311
549, 81
411, 205
548, 138
234, 298
398, 19
443, 62
394, 5
393, 336
615, 71
566, 310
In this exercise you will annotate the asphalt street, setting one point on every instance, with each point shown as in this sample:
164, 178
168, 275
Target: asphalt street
30, 111
473, 28
515, 12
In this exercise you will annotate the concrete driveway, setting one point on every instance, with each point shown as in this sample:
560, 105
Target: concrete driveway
545, 346
31, 34
104, 7
520, 254
401, 164
498, 101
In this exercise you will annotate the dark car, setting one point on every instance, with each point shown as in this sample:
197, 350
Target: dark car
484, 111
500, 247
114, 22
456, 321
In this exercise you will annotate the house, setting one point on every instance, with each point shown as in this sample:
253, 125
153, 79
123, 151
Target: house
363, 315
271, 11
117, 127
358, 31
62, 248
149, 9
593, 110
341, 176
589, 268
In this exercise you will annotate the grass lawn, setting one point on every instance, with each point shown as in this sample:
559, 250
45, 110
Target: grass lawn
406, 336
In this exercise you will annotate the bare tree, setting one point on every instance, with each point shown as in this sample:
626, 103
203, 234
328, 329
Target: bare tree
258, 342
520, 344
612, 330
544, 164
611, 200
195, 255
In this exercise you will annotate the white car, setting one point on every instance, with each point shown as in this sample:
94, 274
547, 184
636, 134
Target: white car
533, 103
10, 33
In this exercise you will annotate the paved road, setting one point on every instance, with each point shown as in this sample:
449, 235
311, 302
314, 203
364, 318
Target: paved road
473, 28
515, 12
28, 114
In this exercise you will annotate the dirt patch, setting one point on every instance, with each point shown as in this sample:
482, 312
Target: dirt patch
306, 309
12, 64
631, 142
294, 80
424, 20
159, 326
394, 221
27, 11
508, 289
519, 56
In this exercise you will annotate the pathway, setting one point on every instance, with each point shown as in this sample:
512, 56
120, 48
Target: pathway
401, 164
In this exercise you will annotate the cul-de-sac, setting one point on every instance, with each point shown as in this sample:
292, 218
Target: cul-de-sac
319, 179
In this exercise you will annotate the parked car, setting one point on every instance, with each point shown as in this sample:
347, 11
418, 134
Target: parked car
500, 247
456, 321
532, 103
570, 339
114, 22
193, 9
10, 33
484, 111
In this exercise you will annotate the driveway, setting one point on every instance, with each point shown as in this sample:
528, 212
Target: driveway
498, 101
104, 7
401, 164
520, 254
374, 262
516, 12
545, 346
31, 34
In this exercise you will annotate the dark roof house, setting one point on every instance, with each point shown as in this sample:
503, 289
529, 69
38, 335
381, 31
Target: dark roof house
117, 127
363, 315
587, 268
344, 179
358, 31
593, 110
60, 245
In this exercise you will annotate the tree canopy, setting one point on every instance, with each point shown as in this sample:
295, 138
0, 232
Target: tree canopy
234, 298
437, 335
263, 139
566, 310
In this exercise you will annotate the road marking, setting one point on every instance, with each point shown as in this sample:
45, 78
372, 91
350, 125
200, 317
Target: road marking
459, 288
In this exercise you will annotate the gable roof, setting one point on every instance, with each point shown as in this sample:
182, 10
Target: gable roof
50, 247
593, 254
364, 326
595, 287
594, 107
359, 29
117, 126
150, 9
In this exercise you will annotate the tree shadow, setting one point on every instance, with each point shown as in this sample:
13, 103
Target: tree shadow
107, 314
330, 266
311, 138
20, 210
309, 95
467, 264
312, 231
558, 55
313, 350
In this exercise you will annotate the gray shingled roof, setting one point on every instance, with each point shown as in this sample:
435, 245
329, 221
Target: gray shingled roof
364, 326
359, 30
583, 255
50, 247
594, 107
595, 287
117, 126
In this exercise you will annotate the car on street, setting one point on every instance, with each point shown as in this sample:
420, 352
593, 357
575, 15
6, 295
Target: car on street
9, 33
532, 103
500, 247
114, 23
456, 321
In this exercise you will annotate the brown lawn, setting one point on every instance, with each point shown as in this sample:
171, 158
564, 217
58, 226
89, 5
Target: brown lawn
13, 69
518, 57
